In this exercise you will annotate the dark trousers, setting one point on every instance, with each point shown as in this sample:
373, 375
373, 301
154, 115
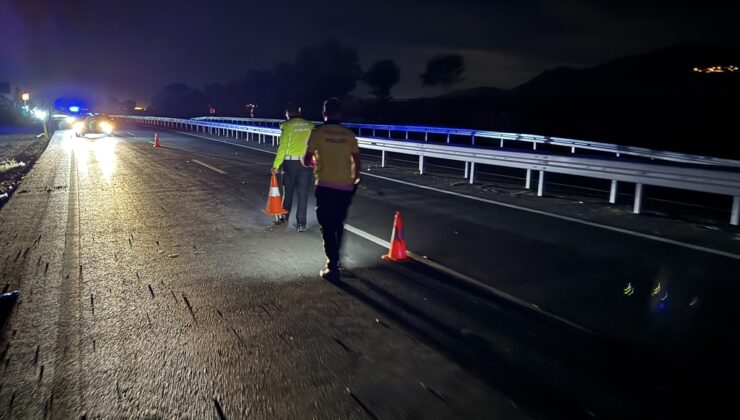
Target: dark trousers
331, 210
296, 180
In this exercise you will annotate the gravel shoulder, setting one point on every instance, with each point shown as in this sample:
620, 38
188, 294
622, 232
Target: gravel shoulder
18, 153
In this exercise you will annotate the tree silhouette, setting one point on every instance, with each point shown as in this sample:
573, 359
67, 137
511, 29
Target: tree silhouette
444, 70
324, 70
381, 77
178, 100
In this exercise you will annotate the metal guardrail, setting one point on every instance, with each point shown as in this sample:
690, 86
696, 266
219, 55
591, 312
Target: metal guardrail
696, 178
392, 131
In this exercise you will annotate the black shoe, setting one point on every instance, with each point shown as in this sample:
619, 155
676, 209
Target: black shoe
281, 219
329, 274
300, 228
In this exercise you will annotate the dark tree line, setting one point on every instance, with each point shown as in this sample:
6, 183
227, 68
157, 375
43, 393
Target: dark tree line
317, 72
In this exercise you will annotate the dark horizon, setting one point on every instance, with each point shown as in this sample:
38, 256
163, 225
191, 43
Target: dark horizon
91, 49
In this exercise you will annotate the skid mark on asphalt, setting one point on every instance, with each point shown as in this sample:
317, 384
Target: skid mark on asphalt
190, 308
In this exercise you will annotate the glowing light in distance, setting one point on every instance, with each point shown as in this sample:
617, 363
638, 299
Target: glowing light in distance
106, 127
40, 114
74, 108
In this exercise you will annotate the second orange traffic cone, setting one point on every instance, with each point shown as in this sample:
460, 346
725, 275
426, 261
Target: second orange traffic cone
397, 250
156, 140
274, 202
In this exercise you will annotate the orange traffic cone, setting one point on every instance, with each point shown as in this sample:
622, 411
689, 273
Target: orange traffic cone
397, 251
274, 202
156, 140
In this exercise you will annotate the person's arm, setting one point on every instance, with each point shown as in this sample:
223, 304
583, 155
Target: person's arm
307, 160
356, 160
282, 147
357, 166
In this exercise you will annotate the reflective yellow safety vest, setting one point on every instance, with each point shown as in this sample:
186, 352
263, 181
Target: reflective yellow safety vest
293, 139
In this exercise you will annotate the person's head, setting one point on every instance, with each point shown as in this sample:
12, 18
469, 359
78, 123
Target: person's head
292, 110
332, 109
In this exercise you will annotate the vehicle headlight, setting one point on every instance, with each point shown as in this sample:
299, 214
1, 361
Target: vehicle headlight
70, 120
106, 127
79, 126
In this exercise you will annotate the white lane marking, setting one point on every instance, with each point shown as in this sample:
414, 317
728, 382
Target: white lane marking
208, 166
227, 142
467, 279
540, 212
130, 134
570, 219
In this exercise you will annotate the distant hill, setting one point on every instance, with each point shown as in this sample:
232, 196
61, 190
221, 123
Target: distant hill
665, 71
655, 100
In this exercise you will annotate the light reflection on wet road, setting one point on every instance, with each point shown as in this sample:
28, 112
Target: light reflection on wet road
145, 274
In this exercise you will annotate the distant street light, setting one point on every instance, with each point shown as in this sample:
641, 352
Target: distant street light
25, 98
40, 114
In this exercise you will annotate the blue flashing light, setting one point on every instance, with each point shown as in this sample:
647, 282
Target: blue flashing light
74, 108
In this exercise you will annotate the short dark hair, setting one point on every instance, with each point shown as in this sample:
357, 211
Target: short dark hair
332, 106
292, 108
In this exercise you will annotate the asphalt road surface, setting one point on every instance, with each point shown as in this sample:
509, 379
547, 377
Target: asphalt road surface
154, 287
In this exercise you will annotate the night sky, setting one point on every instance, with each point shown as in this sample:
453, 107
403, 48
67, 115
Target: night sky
130, 49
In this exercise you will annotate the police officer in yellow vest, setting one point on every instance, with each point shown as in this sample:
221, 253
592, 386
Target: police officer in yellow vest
296, 178
337, 167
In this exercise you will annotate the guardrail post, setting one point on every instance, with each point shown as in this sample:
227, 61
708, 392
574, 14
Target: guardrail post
472, 172
528, 182
501, 145
573, 149
382, 158
735, 216
448, 138
541, 184
638, 199
613, 192
534, 145
472, 139
273, 141
421, 164
407, 135
426, 134
466, 170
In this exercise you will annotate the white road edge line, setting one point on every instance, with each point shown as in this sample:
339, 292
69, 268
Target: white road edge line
467, 279
208, 166
570, 219
514, 206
